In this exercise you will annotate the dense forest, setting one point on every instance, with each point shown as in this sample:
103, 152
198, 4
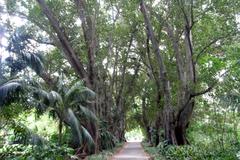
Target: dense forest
77, 75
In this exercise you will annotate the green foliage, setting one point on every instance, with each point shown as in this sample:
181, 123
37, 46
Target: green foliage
77, 93
120, 68
193, 152
20, 44
34, 152
134, 135
105, 154
9, 91
107, 139
68, 105
199, 152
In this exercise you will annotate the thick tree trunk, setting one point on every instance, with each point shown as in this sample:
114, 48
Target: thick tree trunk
180, 132
167, 110
64, 42
89, 32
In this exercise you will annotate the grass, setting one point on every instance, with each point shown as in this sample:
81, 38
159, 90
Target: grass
105, 154
152, 151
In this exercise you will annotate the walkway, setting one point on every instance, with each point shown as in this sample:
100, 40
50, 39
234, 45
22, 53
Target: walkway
131, 151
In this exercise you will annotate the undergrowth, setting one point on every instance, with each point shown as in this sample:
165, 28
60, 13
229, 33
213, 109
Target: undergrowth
105, 154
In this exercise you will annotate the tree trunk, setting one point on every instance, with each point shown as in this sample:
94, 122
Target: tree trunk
64, 42
167, 110
1, 70
145, 120
60, 127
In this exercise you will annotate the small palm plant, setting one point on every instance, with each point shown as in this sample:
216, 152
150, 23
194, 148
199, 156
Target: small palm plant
71, 107
70, 103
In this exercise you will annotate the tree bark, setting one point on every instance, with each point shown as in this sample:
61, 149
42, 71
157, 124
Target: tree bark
89, 32
168, 111
145, 120
65, 44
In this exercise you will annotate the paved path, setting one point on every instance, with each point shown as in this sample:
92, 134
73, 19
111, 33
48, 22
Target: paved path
131, 151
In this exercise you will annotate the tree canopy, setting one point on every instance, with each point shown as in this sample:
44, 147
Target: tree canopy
102, 68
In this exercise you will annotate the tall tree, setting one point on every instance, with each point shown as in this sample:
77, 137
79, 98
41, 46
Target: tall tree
177, 111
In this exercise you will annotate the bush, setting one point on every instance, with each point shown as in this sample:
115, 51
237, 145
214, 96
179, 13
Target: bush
107, 139
33, 152
105, 154
200, 152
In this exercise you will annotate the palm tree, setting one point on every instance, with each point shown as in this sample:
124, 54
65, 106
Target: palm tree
69, 103
71, 106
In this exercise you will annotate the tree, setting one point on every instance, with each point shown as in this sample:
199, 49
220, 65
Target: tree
70, 105
177, 111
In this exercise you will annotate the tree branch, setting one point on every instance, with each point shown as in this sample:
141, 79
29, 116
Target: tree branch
202, 51
89, 30
214, 83
65, 44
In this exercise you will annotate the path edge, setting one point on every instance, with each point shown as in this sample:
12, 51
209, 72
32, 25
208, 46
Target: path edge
146, 153
117, 151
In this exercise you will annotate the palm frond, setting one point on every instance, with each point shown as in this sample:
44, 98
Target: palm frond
55, 97
51, 98
88, 139
7, 90
19, 44
41, 95
88, 114
74, 124
88, 94
78, 93
78, 86
33, 61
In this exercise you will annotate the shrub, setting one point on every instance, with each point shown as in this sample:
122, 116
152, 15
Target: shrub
198, 152
34, 152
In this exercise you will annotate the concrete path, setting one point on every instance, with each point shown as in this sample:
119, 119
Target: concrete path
131, 151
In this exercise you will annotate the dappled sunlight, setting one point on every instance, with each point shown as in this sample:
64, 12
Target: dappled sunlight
82, 78
134, 135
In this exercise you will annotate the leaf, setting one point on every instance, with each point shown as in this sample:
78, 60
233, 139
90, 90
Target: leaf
74, 123
88, 138
78, 93
8, 89
55, 98
19, 44
33, 61
88, 114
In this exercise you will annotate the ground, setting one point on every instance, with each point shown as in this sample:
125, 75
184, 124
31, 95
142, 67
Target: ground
131, 151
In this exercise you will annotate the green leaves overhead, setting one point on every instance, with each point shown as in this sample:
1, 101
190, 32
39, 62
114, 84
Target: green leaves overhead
20, 43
